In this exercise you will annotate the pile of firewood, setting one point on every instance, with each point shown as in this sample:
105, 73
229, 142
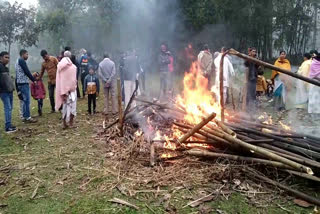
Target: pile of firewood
239, 139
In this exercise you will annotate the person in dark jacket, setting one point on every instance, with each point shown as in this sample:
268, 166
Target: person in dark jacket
6, 91
23, 76
252, 81
75, 62
92, 88
164, 61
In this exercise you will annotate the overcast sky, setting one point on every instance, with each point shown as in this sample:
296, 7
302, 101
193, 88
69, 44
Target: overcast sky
26, 3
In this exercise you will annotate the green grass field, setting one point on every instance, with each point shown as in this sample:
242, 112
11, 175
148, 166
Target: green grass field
44, 169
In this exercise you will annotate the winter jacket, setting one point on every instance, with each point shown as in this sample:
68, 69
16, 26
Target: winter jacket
164, 61
91, 84
37, 90
23, 74
6, 82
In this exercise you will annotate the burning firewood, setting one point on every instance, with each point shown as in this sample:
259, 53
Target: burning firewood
196, 128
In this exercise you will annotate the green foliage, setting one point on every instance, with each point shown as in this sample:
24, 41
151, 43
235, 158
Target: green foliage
18, 24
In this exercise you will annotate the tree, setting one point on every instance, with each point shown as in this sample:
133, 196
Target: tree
18, 25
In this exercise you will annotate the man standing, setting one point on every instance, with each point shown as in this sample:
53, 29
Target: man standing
84, 62
164, 61
252, 82
205, 63
50, 65
6, 91
131, 73
107, 73
23, 75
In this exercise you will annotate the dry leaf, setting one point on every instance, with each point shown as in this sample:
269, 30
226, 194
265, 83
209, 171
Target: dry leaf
302, 203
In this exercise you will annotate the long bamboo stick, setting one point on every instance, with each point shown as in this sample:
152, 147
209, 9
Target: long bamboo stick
259, 133
265, 153
203, 153
303, 151
164, 106
207, 133
196, 128
304, 175
267, 65
120, 107
221, 85
297, 193
302, 160
225, 128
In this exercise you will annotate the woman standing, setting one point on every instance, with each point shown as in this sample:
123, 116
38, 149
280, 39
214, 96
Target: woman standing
314, 93
303, 87
280, 81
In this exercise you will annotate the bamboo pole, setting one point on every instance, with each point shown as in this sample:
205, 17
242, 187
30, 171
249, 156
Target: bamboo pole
152, 153
225, 128
297, 193
299, 159
196, 128
207, 133
303, 175
221, 85
259, 133
196, 135
164, 106
203, 153
303, 151
266, 153
120, 107
267, 65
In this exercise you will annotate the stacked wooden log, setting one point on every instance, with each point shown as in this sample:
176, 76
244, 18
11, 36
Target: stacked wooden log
239, 139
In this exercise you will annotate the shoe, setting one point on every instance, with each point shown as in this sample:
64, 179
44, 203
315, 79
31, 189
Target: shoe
11, 129
30, 120
52, 111
40, 113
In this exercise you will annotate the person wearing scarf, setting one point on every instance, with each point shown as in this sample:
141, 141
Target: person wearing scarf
314, 92
303, 87
66, 86
281, 82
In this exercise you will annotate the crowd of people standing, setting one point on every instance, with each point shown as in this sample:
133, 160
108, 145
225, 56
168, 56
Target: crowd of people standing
65, 71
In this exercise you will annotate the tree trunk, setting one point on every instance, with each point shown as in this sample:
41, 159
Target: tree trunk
315, 30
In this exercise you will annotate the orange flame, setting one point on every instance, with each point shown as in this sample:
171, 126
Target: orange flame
197, 100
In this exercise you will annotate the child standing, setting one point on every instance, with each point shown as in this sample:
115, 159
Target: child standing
92, 86
38, 92
261, 84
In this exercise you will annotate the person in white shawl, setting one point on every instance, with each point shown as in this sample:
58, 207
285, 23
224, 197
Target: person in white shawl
302, 92
66, 85
227, 72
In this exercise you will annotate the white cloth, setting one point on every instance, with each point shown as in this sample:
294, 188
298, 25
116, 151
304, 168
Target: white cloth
227, 70
314, 100
70, 106
129, 87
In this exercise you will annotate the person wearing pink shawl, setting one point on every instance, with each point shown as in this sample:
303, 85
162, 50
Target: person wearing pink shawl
66, 86
314, 93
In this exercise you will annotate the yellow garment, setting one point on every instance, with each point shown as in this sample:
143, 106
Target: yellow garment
304, 69
284, 64
261, 84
